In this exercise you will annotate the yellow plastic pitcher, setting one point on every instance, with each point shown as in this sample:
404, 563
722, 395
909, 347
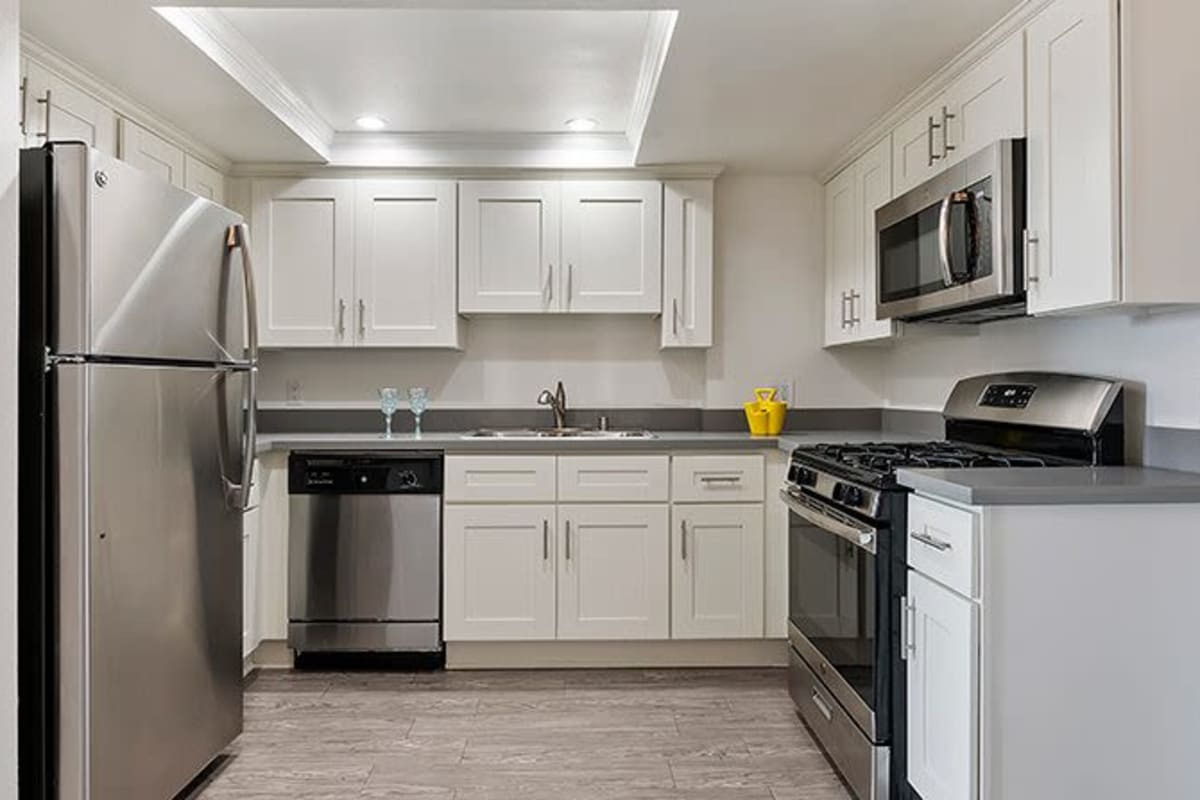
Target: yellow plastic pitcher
776, 411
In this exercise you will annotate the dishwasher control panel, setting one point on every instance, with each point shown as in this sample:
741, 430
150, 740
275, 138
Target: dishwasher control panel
360, 473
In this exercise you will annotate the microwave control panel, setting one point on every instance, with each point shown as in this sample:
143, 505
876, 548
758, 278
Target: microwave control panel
1007, 395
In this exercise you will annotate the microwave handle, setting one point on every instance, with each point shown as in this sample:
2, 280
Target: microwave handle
945, 253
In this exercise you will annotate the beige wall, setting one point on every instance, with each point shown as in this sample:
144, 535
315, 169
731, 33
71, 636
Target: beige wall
768, 330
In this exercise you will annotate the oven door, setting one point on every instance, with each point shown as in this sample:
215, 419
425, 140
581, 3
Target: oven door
838, 587
951, 242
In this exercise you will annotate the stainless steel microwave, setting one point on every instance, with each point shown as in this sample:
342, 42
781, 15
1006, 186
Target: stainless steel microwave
950, 249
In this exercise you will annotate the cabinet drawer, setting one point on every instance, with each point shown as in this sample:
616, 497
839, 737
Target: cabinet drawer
941, 543
500, 479
601, 479
717, 479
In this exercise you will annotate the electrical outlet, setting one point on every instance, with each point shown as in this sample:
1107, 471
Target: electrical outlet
294, 392
785, 390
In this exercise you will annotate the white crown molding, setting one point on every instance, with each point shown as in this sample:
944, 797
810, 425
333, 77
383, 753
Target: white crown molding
210, 31
454, 171
659, 30
76, 75
1012, 23
475, 150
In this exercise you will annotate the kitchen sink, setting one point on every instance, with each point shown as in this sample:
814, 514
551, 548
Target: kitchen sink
556, 433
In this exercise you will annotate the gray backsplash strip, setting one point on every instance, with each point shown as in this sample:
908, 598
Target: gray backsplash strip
1172, 448
914, 423
365, 420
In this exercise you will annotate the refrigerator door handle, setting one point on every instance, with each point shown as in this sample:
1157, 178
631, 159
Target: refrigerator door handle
239, 238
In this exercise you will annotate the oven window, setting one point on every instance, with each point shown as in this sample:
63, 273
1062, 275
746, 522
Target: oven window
909, 259
831, 600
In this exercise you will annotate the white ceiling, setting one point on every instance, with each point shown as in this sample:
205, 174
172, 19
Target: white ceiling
771, 85
467, 71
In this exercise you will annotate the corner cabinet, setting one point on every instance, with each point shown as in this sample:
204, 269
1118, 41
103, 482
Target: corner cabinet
560, 247
687, 303
367, 263
851, 200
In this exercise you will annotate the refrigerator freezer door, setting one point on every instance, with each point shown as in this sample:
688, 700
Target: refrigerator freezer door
143, 269
150, 589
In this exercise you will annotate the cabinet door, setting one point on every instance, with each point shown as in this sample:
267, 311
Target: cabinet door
987, 103
687, 319
58, 112
508, 244
404, 264
918, 146
943, 670
151, 153
199, 178
1072, 257
873, 172
612, 246
303, 253
717, 572
842, 253
613, 573
499, 573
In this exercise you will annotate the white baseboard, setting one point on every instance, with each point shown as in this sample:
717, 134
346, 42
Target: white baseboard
270, 654
550, 655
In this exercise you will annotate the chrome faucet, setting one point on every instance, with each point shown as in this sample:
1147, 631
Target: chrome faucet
558, 404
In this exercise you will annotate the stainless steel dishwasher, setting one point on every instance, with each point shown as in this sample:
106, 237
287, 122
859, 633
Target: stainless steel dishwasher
365, 552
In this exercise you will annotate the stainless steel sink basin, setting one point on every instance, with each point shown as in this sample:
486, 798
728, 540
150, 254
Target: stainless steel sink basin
555, 433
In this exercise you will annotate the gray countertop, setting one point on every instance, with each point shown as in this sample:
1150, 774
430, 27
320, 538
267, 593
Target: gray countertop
666, 440
999, 486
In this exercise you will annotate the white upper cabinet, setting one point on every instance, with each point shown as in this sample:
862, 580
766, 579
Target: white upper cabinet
558, 247
304, 256
509, 247
986, 103
687, 264
612, 246
54, 110
717, 571
151, 153
201, 179
613, 581
1072, 255
851, 200
404, 264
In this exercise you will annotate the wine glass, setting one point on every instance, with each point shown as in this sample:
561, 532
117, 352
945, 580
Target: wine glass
389, 401
418, 401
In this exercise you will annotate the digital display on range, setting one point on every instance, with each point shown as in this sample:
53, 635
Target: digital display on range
1007, 395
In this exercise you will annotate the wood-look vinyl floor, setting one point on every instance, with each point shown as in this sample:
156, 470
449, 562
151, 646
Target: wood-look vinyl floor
527, 735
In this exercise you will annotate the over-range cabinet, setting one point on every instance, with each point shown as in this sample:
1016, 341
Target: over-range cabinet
137, 400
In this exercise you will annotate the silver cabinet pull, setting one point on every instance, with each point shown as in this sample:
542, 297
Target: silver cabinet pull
845, 316
548, 291
24, 99
929, 541
933, 126
720, 478
675, 317
45, 101
1031, 241
683, 539
568, 539
854, 298
341, 326
570, 283
545, 540
362, 318
947, 148
908, 623
822, 706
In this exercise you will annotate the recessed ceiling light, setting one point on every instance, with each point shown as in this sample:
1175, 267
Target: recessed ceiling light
581, 124
371, 122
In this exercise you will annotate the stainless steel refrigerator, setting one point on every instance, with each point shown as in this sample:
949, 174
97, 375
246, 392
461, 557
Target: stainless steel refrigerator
137, 402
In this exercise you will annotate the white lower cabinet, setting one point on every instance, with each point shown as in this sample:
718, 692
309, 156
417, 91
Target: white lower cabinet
717, 571
499, 572
943, 690
612, 572
251, 536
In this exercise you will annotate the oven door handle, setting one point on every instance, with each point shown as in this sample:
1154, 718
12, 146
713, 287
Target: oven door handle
829, 519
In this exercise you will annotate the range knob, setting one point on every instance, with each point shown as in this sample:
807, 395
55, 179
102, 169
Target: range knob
848, 494
801, 476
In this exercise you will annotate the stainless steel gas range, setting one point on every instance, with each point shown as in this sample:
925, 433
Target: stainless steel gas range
847, 555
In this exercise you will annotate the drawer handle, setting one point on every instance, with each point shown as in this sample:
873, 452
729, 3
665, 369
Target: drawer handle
720, 478
568, 539
683, 540
822, 706
930, 541
545, 540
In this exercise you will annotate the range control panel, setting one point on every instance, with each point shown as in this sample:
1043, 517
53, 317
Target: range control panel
341, 473
1007, 395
